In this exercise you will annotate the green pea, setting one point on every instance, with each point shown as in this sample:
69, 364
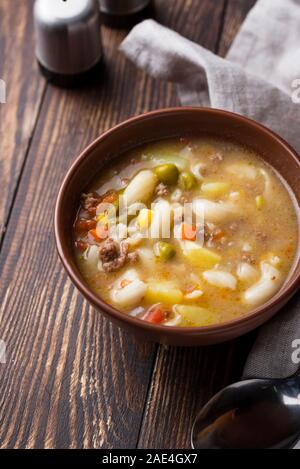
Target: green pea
167, 173
187, 181
164, 251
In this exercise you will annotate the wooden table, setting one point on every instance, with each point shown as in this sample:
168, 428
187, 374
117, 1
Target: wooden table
72, 379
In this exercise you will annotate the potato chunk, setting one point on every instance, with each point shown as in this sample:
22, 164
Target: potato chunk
163, 292
199, 256
215, 189
194, 315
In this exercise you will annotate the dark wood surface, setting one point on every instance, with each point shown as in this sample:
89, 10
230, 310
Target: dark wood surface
73, 380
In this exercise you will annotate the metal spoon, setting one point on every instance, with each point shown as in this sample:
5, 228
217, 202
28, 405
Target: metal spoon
252, 414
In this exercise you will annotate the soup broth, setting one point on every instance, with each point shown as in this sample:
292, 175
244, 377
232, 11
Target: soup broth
211, 232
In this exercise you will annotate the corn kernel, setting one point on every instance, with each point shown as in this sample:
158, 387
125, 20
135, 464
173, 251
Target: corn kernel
145, 218
260, 202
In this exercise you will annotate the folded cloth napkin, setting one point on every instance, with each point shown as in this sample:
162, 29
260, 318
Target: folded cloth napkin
258, 79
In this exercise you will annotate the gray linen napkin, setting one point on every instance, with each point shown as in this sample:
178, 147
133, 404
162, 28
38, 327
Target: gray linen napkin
256, 79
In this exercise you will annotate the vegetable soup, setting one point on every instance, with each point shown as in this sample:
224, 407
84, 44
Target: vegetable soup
187, 232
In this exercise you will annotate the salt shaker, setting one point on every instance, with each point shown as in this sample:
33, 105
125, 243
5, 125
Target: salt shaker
125, 13
68, 40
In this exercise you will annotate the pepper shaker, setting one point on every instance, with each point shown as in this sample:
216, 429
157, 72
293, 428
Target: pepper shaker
68, 40
125, 13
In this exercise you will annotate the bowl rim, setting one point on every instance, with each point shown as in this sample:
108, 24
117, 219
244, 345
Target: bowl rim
287, 290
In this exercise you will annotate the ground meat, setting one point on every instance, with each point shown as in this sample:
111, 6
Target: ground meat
203, 170
207, 232
125, 182
161, 190
216, 157
212, 233
248, 258
109, 251
132, 257
234, 226
261, 236
90, 200
114, 255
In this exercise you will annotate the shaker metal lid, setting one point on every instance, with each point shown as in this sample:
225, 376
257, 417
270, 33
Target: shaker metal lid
68, 37
122, 7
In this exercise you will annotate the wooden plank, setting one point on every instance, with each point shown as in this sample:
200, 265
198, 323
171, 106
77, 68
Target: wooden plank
184, 379
72, 379
236, 12
24, 92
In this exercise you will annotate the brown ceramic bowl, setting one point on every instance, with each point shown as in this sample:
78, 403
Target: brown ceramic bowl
154, 126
